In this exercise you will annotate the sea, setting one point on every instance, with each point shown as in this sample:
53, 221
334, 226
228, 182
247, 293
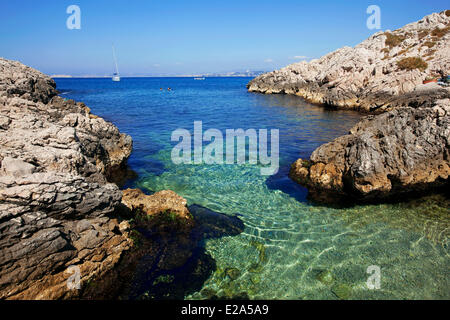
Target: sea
289, 247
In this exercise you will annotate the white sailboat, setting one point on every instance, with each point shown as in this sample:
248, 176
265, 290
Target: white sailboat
116, 76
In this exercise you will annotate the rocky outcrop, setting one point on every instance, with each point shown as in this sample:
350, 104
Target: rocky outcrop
19, 80
165, 217
160, 202
402, 151
405, 147
57, 208
161, 227
168, 238
375, 75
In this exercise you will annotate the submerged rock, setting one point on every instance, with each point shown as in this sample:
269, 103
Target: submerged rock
325, 277
164, 209
232, 273
211, 224
165, 222
342, 291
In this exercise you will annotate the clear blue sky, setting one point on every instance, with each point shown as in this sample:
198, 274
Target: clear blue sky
189, 36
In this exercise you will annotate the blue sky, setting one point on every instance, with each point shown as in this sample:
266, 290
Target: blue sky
182, 37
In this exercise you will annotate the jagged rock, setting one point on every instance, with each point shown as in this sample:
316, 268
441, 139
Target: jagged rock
405, 147
56, 204
163, 215
368, 77
19, 80
401, 151
160, 202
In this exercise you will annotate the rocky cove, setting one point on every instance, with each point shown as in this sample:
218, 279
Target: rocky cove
60, 209
404, 147
60, 205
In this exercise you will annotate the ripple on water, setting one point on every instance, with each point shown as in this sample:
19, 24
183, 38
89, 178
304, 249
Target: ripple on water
286, 243
289, 249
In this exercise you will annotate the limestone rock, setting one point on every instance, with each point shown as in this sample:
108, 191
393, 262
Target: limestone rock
368, 77
405, 147
56, 204
401, 151
159, 207
165, 200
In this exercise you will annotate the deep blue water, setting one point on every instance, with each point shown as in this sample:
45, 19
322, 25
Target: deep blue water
301, 241
139, 108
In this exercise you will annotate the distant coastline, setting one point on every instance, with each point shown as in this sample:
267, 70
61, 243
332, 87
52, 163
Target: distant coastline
247, 74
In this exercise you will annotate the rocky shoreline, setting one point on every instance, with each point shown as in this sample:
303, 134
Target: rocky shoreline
377, 75
397, 153
404, 147
58, 207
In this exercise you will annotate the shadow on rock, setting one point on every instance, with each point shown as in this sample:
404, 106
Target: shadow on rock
165, 276
167, 264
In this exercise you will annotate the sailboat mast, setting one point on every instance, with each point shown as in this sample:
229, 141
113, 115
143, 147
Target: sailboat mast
115, 60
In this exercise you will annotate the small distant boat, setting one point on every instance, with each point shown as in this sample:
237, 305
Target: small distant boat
200, 78
116, 76
430, 81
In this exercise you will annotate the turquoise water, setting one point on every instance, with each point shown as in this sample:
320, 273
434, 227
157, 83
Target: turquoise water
290, 248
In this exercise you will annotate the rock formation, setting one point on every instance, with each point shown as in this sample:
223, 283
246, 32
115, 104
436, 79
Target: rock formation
401, 151
405, 147
59, 213
161, 227
56, 205
374, 75
161, 202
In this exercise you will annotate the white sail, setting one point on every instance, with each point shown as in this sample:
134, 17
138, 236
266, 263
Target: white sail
116, 76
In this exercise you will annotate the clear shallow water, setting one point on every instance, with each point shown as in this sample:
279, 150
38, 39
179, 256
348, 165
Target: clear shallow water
290, 248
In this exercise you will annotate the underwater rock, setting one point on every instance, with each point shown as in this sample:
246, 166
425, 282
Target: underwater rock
256, 268
261, 250
325, 277
208, 294
163, 217
255, 279
57, 208
169, 247
342, 291
232, 273
210, 224
164, 211
167, 278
